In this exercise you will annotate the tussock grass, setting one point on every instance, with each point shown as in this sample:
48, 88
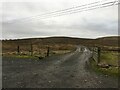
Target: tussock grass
41, 51
110, 58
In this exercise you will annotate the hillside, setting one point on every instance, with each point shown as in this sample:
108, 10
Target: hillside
57, 42
109, 41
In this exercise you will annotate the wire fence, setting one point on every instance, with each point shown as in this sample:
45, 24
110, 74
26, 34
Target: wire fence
107, 56
96, 53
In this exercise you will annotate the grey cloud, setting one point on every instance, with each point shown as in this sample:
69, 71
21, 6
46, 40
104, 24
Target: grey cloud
96, 25
84, 25
42, 29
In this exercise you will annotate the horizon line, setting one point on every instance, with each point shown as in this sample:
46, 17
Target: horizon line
58, 37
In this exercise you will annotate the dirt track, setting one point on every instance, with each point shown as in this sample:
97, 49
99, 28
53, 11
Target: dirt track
64, 71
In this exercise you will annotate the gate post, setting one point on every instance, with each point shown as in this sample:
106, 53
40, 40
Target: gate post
48, 50
99, 51
18, 50
31, 47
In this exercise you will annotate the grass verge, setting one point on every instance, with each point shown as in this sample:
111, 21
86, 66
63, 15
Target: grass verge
109, 57
112, 71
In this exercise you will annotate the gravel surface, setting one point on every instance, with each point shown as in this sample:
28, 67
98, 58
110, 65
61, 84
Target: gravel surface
61, 71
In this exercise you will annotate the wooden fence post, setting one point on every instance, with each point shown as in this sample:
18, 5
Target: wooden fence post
18, 50
48, 50
31, 47
99, 51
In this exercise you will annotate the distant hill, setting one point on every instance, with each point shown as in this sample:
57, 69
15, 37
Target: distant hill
110, 41
64, 41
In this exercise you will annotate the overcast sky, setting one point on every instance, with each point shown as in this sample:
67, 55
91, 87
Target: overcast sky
87, 24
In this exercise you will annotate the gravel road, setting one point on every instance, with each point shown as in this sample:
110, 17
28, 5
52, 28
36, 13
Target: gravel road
61, 71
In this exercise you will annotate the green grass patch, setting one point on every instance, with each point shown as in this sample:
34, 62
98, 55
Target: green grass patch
21, 56
40, 55
112, 71
60, 52
109, 57
24, 56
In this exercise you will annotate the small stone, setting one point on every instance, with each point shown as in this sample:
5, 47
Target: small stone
21, 66
35, 74
100, 82
49, 81
85, 80
106, 75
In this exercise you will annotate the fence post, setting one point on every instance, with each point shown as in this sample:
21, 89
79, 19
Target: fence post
48, 50
99, 51
18, 50
31, 47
